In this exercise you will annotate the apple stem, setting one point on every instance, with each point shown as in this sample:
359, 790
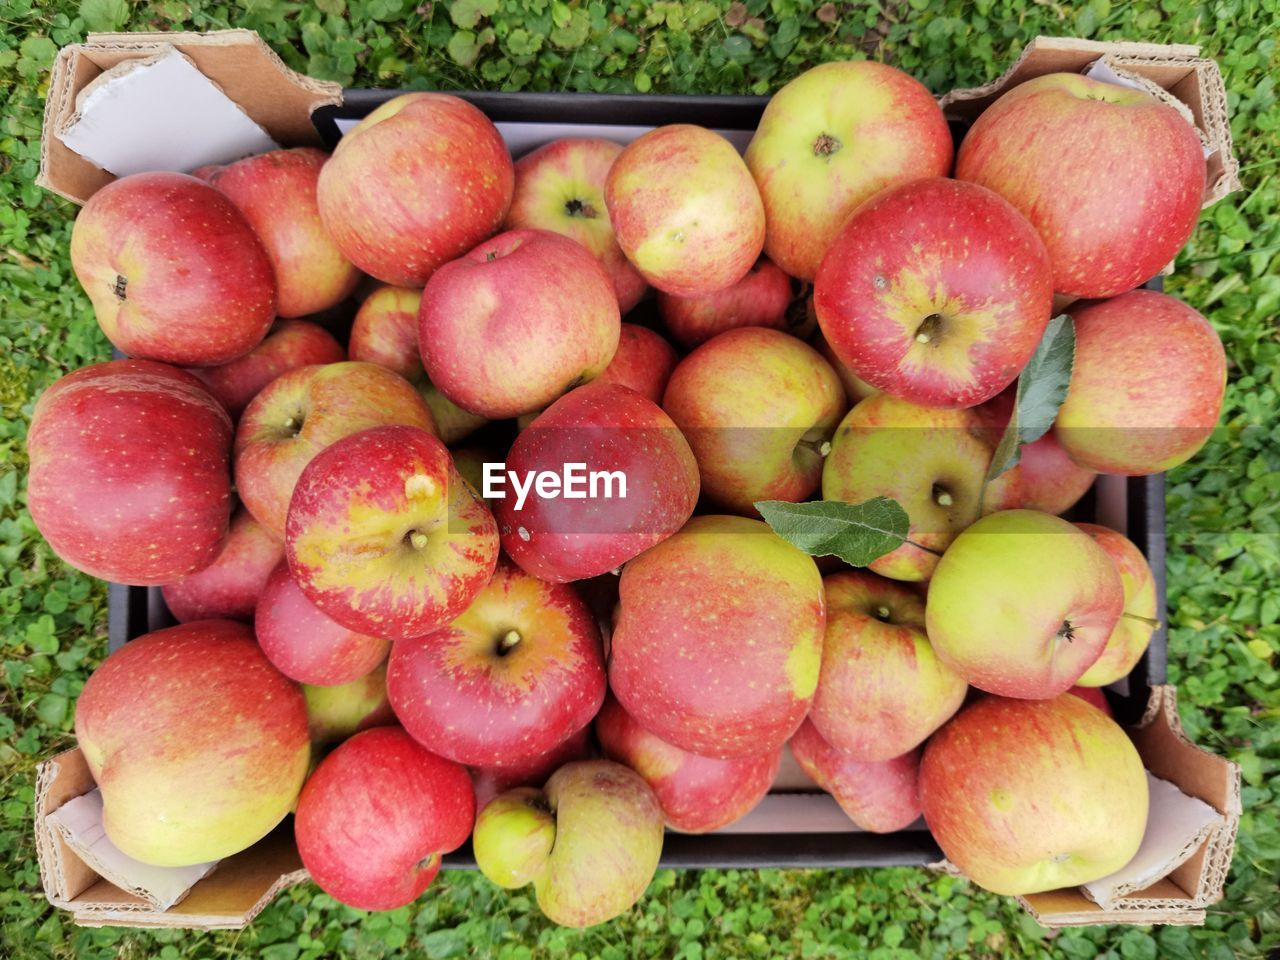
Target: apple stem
921, 546
418, 539
942, 497
1154, 624
508, 642
929, 328
882, 613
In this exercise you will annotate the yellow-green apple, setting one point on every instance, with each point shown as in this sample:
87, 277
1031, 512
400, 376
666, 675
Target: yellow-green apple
276, 192
174, 270
1147, 384
589, 841
1022, 604
304, 643
685, 210
129, 478
377, 815
1031, 795
516, 322
643, 362
830, 139
385, 332
718, 639
635, 484
697, 794
386, 537
1133, 632
301, 413
855, 388
228, 589
198, 744
879, 796
289, 345
470, 461
1110, 176
512, 677
759, 299
758, 408
491, 781
336, 713
882, 690
560, 187
420, 180
937, 292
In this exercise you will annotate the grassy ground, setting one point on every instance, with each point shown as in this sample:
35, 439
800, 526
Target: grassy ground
1224, 553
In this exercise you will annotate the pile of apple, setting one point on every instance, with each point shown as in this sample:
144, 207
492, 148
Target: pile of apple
448, 650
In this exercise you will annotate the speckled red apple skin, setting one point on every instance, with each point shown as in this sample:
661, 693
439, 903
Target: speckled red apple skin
198, 287
228, 588
375, 816
130, 479
643, 362
759, 299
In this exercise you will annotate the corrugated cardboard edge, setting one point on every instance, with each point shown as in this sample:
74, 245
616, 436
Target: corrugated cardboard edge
1177, 70
238, 61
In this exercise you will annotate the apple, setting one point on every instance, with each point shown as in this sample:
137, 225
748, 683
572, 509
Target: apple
228, 589
1147, 386
936, 292
855, 388
129, 476
491, 781
470, 461
931, 460
589, 842
1111, 177
1093, 695
758, 408
560, 187
759, 299
508, 680
289, 345
198, 744
419, 181
878, 796
882, 689
697, 794
833, 137
276, 192
516, 322
385, 537
377, 815
686, 212
608, 429
336, 713
301, 413
1031, 795
1133, 632
718, 639
1022, 604
385, 332
173, 269
643, 362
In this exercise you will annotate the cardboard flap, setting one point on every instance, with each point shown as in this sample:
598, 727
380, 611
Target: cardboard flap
237, 61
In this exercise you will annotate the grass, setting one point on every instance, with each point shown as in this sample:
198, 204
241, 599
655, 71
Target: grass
1224, 507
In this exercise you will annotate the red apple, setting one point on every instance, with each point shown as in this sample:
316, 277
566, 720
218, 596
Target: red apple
385, 536
491, 781
516, 322
880, 797
1110, 176
1095, 696
1146, 389
1132, 635
697, 794
718, 639
643, 362
129, 477
759, 299
560, 187
1031, 795
198, 744
833, 137
276, 192
174, 270
228, 589
291, 344
936, 292
685, 210
420, 180
335, 713
376, 816
604, 429
855, 388
301, 413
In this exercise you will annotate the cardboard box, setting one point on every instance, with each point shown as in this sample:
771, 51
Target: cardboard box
794, 826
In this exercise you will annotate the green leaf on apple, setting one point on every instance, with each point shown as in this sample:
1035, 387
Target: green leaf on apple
857, 533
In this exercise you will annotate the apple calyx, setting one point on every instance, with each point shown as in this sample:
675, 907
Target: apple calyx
931, 328
118, 288
577, 208
1067, 631
430, 860
826, 145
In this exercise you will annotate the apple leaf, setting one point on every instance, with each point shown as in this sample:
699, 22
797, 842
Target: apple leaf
857, 533
1042, 386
